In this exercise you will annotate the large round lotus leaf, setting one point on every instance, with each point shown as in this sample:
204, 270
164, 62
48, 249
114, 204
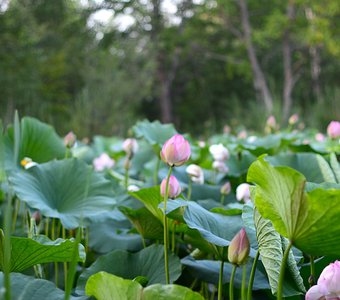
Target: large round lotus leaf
28, 288
68, 190
148, 263
38, 141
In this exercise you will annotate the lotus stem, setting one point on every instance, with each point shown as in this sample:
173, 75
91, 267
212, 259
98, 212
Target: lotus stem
220, 281
244, 280
15, 215
252, 275
155, 174
7, 250
231, 284
312, 271
222, 199
166, 234
282, 272
189, 189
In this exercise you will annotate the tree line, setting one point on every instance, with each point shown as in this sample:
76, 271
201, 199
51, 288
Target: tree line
203, 65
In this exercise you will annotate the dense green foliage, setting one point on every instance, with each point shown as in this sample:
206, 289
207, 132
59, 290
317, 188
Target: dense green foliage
190, 67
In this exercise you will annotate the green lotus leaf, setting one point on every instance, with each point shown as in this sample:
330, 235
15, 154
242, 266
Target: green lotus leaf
68, 190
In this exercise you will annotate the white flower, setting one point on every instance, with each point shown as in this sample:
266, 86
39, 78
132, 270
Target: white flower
133, 188
28, 163
220, 166
219, 152
196, 173
243, 192
103, 162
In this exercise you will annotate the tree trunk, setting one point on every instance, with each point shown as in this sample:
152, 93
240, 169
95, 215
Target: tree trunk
314, 51
260, 83
289, 81
161, 69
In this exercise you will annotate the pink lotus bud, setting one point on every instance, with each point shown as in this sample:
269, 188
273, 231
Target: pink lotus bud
328, 286
103, 162
174, 187
70, 139
220, 166
333, 129
319, 137
239, 248
226, 129
242, 134
243, 192
271, 122
219, 152
225, 188
196, 173
130, 146
176, 151
293, 119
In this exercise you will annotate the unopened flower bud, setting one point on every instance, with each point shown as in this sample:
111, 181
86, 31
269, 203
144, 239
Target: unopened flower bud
70, 139
196, 173
239, 248
36, 216
319, 137
130, 146
225, 188
243, 192
219, 152
174, 188
333, 129
293, 119
328, 284
176, 151
271, 122
220, 166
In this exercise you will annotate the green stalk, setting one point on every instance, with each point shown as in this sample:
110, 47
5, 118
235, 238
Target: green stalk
7, 250
282, 272
312, 271
189, 189
127, 167
244, 280
47, 224
173, 240
65, 264
155, 174
15, 215
252, 275
231, 284
73, 267
166, 235
222, 199
220, 281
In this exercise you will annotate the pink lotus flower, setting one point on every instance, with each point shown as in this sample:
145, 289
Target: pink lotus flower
174, 187
176, 151
243, 192
333, 129
328, 286
271, 122
239, 248
103, 162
